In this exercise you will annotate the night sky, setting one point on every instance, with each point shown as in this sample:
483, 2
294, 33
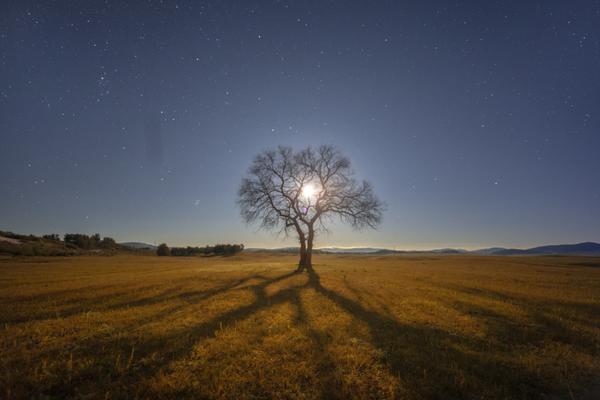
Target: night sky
478, 123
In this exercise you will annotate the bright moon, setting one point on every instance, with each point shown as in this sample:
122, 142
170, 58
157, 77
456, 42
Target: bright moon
309, 191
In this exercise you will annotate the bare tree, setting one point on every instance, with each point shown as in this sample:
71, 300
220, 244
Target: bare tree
299, 192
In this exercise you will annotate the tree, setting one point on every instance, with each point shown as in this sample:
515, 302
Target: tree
107, 243
53, 236
78, 239
95, 240
163, 250
300, 192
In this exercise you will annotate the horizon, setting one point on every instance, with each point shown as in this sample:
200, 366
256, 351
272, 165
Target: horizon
475, 126
290, 243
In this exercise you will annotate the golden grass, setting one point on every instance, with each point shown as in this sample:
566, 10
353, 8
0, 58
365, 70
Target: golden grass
247, 327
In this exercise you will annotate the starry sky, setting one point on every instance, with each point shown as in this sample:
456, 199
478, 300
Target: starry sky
477, 122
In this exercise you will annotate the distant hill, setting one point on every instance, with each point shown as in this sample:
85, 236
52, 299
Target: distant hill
330, 250
378, 250
138, 246
359, 250
448, 251
276, 250
488, 251
580, 249
9, 240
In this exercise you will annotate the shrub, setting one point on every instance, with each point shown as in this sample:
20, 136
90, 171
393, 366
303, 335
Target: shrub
53, 236
163, 250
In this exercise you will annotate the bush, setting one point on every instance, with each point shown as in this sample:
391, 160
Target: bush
33, 248
186, 251
53, 236
227, 249
163, 250
218, 250
108, 243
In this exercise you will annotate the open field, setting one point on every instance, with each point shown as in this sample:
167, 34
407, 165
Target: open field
248, 327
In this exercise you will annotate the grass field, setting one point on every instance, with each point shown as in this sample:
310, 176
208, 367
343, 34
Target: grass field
415, 327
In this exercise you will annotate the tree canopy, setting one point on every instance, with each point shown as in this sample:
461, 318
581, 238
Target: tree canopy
299, 192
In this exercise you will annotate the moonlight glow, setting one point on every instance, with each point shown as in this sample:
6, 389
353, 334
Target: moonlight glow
309, 192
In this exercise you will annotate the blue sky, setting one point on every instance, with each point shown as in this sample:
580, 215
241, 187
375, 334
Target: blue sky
476, 122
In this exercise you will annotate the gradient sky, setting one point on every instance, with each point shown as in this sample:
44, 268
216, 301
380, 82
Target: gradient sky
478, 123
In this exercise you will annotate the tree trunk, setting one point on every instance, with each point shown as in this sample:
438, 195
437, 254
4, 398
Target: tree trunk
309, 247
303, 254
308, 261
306, 245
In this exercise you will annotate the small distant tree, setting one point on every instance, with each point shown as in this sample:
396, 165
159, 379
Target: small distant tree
163, 250
79, 240
209, 250
94, 241
107, 243
53, 236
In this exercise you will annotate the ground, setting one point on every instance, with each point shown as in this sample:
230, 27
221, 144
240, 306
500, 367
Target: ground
247, 326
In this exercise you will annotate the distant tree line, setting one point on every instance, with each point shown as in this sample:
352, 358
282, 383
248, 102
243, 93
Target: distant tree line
79, 243
53, 236
52, 245
87, 242
217, 250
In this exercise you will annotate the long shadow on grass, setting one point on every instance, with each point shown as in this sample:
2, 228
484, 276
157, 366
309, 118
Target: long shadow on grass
458, 366
106, 302
329, 384
550, 319
180, 341
430, 362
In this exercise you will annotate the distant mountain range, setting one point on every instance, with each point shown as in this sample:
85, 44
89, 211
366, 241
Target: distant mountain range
581, 249
138, 246
584, 249
351, 250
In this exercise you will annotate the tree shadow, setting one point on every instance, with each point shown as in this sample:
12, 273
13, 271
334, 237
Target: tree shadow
551, 319
590, 264
179, 342
410, 349
429, 362
106, 302
325, 365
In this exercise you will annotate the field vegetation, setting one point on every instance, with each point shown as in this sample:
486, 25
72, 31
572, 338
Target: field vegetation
52, 245
249, 327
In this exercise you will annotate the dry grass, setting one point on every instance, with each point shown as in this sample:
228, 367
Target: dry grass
247, 327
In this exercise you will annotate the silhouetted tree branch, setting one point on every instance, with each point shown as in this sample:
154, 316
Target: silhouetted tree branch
299, 192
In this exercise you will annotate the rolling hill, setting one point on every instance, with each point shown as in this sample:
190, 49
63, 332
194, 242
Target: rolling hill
578, 249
